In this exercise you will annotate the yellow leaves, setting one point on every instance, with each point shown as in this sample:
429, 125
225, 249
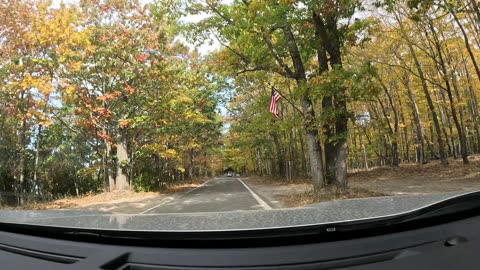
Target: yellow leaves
69, 90
190, 115
91, 48
182, 98
169, 153
193, 116
461, 104
43, 84
76, 66
288, 2
59, 31
159, 148
45, 123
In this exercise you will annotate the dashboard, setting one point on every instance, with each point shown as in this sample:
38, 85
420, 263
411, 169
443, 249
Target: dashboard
449, 245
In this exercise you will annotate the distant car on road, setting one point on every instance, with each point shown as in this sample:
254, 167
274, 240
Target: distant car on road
229, 174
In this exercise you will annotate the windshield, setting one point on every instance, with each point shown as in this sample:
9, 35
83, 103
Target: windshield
172, 107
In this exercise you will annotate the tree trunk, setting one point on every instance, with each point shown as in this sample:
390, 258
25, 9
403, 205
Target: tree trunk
445, 121
294, 153
417, 120
328, 39
341, 122
329, 147
474, 105
314, 148
279, 154
327, 106
302, 148
426, 91
444, 75
393, 131
108, 167
191, 166
37, 160
405, 132
121, 178
22, 162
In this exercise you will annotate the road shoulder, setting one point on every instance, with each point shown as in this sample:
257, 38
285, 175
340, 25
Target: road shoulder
271, 192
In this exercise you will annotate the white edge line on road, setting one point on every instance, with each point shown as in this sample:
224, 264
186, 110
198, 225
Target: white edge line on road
259, 200
169, 199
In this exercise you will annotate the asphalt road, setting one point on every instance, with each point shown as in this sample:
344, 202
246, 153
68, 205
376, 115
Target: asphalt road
215, 195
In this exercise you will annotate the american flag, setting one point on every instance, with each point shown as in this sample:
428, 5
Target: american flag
273, 102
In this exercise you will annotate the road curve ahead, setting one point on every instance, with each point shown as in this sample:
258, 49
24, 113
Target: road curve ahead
216, 195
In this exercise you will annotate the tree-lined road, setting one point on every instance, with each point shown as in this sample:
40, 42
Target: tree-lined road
215, 195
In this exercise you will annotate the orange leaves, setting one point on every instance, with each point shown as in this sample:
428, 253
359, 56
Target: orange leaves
103, 39
102, 112
102, 98
104, 136
104, 8
109, 97
201, 103
124, 123
128, 89
141, 58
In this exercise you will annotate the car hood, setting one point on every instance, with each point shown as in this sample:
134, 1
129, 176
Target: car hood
316, 214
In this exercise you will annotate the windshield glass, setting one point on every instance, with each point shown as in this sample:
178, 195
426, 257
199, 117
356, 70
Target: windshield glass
157, 106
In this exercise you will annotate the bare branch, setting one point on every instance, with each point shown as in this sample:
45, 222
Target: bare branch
216, 11
279, 60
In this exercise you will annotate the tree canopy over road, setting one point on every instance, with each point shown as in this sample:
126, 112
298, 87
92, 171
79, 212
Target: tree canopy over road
103, 95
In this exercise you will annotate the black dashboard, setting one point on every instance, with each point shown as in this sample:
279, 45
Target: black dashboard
448, 245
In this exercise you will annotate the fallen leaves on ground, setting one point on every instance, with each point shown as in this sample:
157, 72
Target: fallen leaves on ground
90, 199
382, 181
326, 194
431, 171
116, 196
269, 180
181, 187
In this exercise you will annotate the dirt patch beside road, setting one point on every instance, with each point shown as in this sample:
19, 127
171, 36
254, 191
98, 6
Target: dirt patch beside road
408, 179
107, 201
299, 199
420, 179
274, 190
300, 192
